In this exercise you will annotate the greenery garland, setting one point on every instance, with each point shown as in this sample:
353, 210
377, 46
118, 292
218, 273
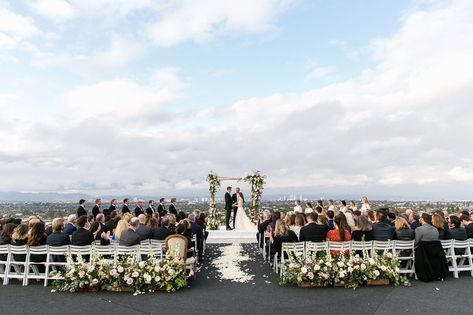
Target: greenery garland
214, 185
256, 181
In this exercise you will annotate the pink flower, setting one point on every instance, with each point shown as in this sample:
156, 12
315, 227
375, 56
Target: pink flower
310, 275
129, 281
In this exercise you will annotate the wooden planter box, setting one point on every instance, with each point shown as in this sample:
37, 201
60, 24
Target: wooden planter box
339, 285
378, 282
310, 285
88, 289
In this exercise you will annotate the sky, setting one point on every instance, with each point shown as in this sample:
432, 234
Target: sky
146, 97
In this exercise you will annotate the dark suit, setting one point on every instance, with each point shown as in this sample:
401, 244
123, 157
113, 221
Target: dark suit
81, 211
199, 232
95, 210
313, 232
144, 232
160, 233
69, 228
58, 239
228, 208
172, 209
235, 208
125, 209
82, 237
383, 231
129, 238
109, 210
162, 210
149, 210
138, 211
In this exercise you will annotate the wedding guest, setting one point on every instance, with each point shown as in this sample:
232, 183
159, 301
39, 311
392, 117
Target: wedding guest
413, 218
37, 237
113, 207
81, 210
297, 207
353, 206
471, 215
341, 232
172, 207
163, 231
82, 236
365, 205
313, 231
331, 205
319, 210
281, 234
320, 204
122, 225
199, 233
71, 224
467, 224
113, 221
58, 237
162, 208
172, 222
322, 219
371, 216
142, 230
100, 218
181, 228
330, 217
150, 210
363, 231
289, 218
348, 214
129, 237
455, 230
426, 232
382, 229
127, 217
7, 231
264, 221
439, 223
203, 223
180, 216
391, 217
126, 206
152, 223
99, 234
19, 238
298, 224
403, 231
308, 207
96, 208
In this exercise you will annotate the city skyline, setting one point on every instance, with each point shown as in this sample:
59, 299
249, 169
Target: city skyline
146, 97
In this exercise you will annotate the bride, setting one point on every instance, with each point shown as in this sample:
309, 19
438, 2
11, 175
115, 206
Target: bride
242, 222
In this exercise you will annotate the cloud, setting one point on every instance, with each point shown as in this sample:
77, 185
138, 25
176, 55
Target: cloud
196, 21
14, 28
56, 10
320, 73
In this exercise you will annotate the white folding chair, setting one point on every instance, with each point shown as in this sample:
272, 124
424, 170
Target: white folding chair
313, 248
447, 246
19, 267
145, 242
297, 248
379, 247
83, 251
158, 248
362, 246
463, 261
4, 252
37, 258
128, 250
56, 259
339, 247
404, 250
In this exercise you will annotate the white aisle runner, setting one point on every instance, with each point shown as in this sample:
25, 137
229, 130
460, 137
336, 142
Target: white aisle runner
245, 235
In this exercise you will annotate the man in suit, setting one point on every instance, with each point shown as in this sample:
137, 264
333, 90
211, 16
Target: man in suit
139, 208
71, 224
96, 208
150, 210
426, 232
467, 224
313, 232
161, 232
235, 204
125, 208
228, 207
81, 210
129, 236
172, 206
161, 208
199, 233
382, 229
82, 236
143, 231
113, 207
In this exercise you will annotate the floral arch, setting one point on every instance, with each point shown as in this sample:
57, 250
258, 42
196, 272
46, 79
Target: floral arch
256, 182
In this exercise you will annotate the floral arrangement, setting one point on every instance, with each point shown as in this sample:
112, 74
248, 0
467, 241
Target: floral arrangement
256, 181
346, 270
125, 273
214, 185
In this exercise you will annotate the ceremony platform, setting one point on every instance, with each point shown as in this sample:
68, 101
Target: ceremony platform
223, 236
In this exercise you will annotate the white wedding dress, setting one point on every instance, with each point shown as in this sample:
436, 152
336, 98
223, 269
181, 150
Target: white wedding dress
242, 222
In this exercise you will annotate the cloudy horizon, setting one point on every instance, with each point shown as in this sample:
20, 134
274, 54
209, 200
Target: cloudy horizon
145, 97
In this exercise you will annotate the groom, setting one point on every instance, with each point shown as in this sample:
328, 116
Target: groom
228, 207
235, 204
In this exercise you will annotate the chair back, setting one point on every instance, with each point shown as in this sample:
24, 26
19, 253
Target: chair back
18, 250
339, 246
313, 248
158, 248
104, 250
127, 250
402, 245
381, 246
296, 248
4, 250
58, 250
362, 245
177, 245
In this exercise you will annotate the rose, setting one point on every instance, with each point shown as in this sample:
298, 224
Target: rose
316, 268
95, 281
141, 264
135, 274
113, 272
383, 268
304, 269
363, 267
340, 264
120, 269
341, 274
129, 281
310, 275
376, 273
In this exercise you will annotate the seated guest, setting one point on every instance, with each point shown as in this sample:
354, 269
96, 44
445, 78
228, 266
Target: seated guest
413, 218
6, 234
71, 224
382, 229
330, 216
467, 225
202, 221
322, 219
341, 233
122, 225
199, 233
298, 224
20, 237
37, 237
403, 231
363, 231
313, 232
264, 221
426, 232
99, 234
143, 231
281, 234
172, 223
371, 215
348, 213
152, 223
180, 216
58, 237
82, 236
100, 218
455, 230
161, 232
129, 237
439, 223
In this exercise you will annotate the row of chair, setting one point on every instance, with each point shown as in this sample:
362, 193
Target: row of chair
18, 262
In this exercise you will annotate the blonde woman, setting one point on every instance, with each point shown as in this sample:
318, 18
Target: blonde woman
403, 230
127, 217
281, 234
297, 225
365, 205
121, 226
